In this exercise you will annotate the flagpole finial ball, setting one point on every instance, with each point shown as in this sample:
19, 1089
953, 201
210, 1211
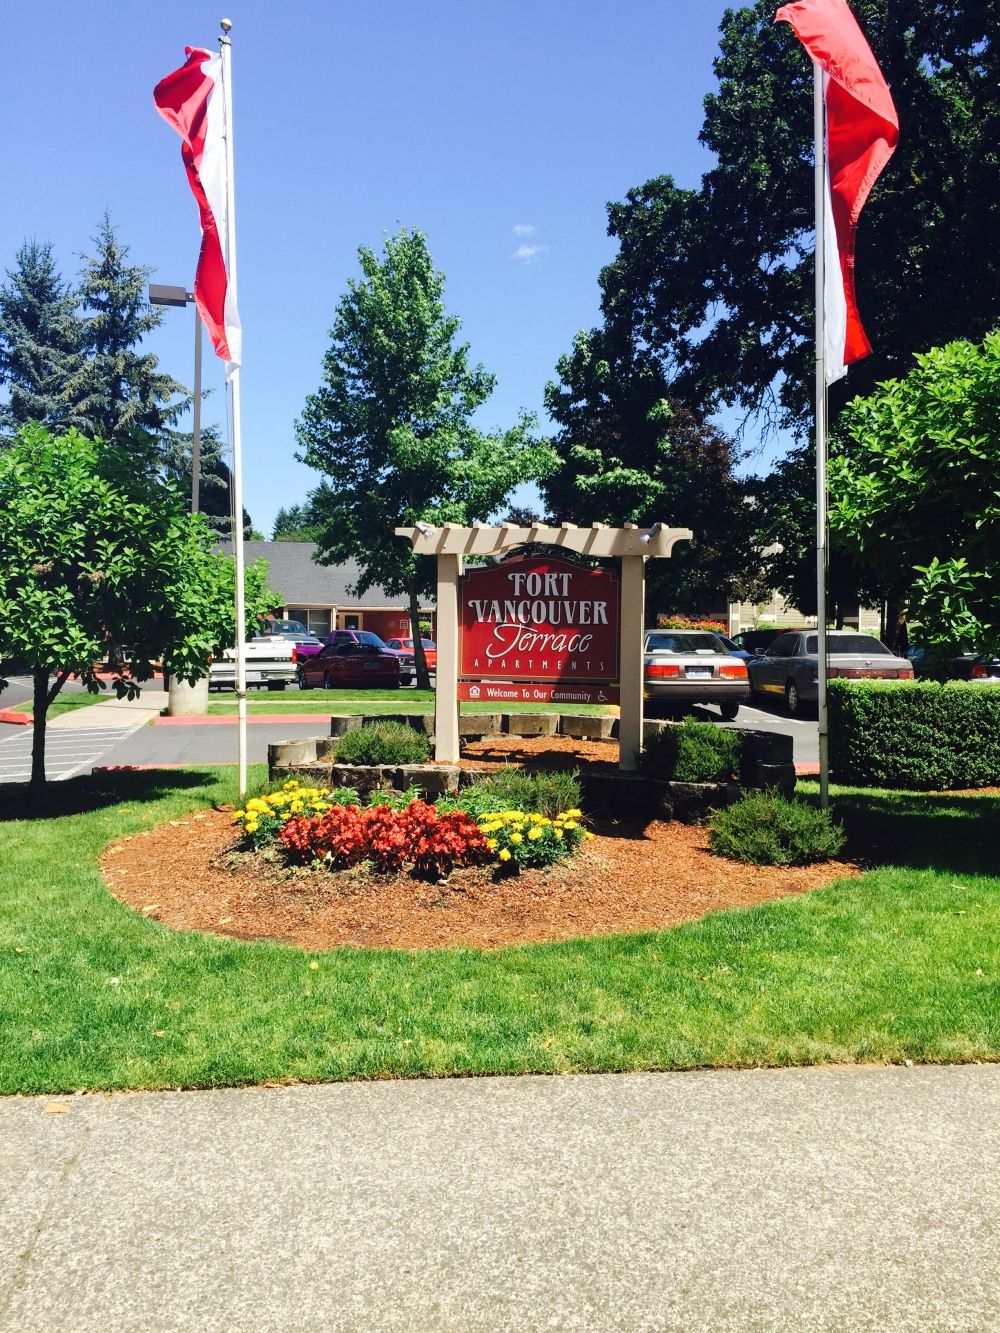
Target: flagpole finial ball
226, 25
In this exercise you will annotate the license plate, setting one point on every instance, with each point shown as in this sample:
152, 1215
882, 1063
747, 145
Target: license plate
699, 673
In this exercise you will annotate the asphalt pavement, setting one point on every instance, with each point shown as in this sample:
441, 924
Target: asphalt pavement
814, 1199
97, 744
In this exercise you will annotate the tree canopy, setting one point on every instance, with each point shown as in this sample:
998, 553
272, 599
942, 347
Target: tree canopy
630, 452
915, 484
92, 553
716, 282
390, 425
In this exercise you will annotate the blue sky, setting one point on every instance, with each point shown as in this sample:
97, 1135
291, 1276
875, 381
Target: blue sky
501, 130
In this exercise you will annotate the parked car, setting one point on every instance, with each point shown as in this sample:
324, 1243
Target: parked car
407, 658
750, 642
269, 661
307, 650
963, 666
693, 666
344, 662
789, 667
291, 630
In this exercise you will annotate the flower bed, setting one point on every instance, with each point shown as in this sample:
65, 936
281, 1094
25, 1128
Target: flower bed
330, 826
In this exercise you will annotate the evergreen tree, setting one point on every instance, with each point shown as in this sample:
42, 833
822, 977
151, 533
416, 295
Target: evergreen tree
39, 343
298, 523
215, 479
122, 396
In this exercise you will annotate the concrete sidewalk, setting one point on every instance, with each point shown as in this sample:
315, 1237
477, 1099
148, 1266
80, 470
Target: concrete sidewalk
797, 1199
124, 713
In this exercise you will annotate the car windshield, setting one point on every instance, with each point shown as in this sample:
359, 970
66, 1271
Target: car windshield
685, 643
862, 645
284, 627
366, 636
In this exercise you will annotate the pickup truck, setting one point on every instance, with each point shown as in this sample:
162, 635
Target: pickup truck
270, 661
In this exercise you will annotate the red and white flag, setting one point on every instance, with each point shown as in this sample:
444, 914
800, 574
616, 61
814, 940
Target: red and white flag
191, 100
862, 130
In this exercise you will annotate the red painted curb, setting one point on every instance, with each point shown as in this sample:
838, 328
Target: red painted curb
806, 770
16, 719
231, 721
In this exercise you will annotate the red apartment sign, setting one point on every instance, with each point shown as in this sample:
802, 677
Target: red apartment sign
540, 620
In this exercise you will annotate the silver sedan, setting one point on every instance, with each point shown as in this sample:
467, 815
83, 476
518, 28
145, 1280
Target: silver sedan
789, 667
693, 667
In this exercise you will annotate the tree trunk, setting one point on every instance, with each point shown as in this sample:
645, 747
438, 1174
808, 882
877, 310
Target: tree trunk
895, 621
419, 657
39, 708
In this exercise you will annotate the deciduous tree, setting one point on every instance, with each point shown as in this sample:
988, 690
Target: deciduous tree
94, 553
390, 426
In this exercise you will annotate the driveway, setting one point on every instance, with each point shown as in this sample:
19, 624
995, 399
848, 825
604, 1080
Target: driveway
817, 1199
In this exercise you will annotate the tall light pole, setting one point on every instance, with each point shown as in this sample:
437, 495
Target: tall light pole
180, 296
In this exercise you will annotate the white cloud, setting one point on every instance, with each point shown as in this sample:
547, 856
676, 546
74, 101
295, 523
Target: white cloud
525, 229
528, 253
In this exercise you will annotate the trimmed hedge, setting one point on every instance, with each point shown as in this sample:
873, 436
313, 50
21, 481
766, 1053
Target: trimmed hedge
920, 735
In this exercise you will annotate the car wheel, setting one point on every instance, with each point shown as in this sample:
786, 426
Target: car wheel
327, 681
793, 700
729, 711
300, 677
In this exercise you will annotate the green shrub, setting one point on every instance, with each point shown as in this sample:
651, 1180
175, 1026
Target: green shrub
546, 794
383, 743
766, 830
920, 735
693, 752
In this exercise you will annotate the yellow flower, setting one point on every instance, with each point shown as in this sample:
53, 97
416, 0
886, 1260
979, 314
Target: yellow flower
250, 826
238, 815
534, 834
256, 805
587, 833
505, 855
290, 784
296, 807
491, 843
516, 838
574, 814
558, 832
571, 823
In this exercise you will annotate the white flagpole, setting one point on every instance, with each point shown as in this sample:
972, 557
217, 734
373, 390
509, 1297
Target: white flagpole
225, 50
819, 182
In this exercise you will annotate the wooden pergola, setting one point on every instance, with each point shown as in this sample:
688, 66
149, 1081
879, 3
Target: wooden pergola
631, 545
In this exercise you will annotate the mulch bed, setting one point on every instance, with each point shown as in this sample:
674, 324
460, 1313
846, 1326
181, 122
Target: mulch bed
188, 875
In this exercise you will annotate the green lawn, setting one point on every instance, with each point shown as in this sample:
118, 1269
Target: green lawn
68, 703
903, 963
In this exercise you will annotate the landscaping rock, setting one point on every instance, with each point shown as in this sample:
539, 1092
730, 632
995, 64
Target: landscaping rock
291, 754
343, 722
694, 801
364, 778
531, 724
434, 780
317, 774
626, 796
474, 726
586, 727
780, 776
326, 748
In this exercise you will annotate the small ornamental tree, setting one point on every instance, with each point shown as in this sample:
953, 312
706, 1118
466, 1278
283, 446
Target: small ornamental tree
915, 486
390, 427
92, 553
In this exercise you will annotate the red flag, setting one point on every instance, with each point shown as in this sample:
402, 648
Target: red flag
862, 130
190, 99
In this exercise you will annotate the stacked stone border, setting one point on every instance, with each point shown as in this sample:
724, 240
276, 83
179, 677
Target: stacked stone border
766, 763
